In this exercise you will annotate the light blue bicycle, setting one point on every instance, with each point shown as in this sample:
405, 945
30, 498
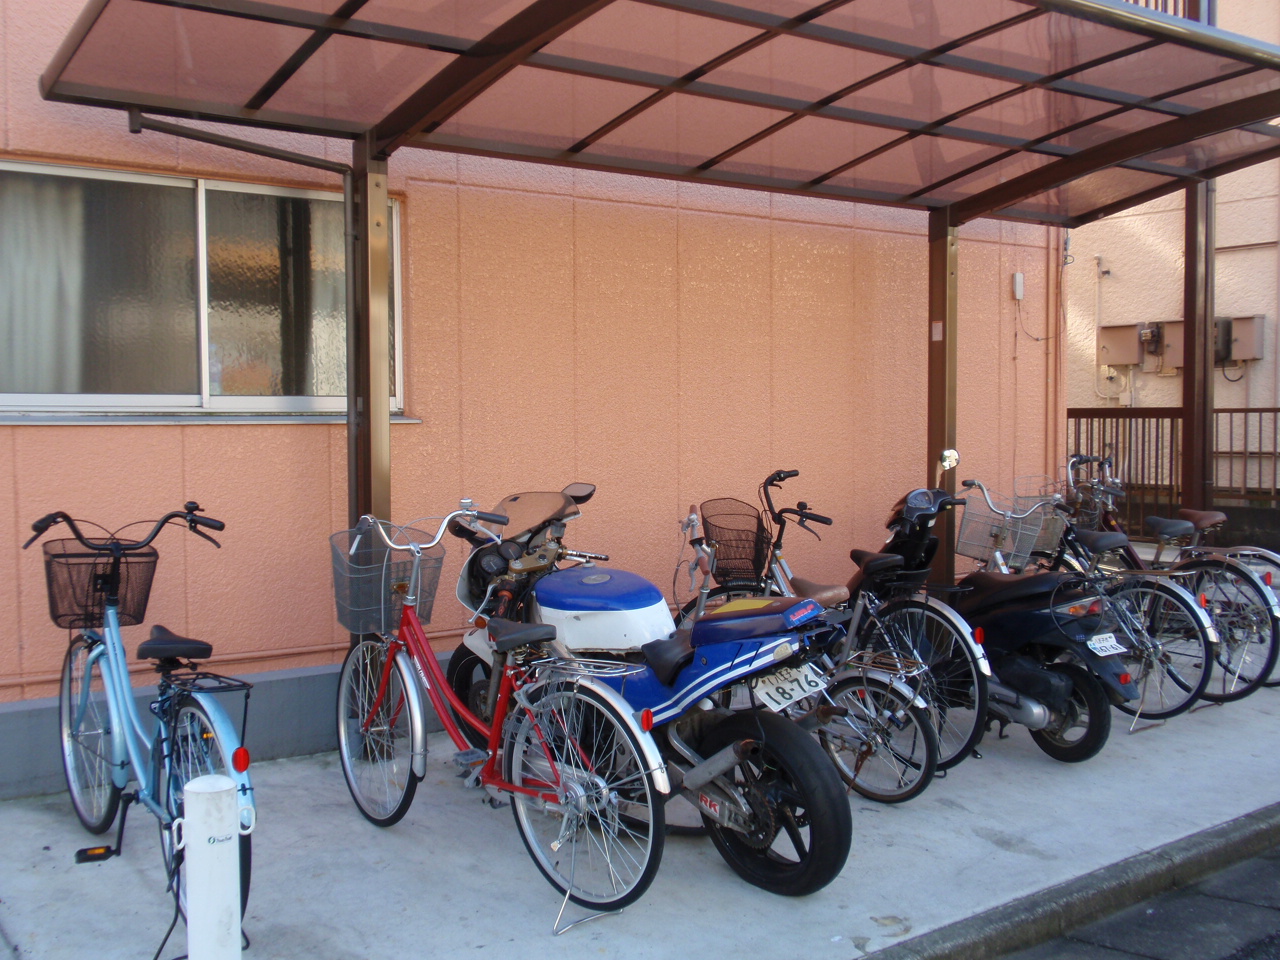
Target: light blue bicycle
96, 586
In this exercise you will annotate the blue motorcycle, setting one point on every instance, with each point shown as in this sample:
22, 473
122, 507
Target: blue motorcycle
712, 694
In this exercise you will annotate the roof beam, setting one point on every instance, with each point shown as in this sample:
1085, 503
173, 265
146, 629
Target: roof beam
486, 62
1179, 130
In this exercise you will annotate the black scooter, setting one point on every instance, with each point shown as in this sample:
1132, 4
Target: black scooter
1055, 671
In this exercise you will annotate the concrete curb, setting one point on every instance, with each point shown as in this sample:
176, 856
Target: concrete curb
1056, 910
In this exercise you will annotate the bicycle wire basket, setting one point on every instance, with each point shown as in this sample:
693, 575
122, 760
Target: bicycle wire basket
78, 577
1032, 491
983, 532
741, 540
370, 580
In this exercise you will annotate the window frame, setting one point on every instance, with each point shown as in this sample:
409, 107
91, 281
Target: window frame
205, 402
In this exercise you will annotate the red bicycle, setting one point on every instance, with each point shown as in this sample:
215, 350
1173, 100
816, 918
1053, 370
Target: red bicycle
586, 783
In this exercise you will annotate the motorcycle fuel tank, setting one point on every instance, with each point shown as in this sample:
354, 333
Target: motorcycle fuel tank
598, 608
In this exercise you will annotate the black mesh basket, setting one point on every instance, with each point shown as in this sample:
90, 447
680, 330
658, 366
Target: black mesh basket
370, 580
77, 579
742, 543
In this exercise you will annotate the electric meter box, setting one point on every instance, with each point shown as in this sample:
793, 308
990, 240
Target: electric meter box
1118, 346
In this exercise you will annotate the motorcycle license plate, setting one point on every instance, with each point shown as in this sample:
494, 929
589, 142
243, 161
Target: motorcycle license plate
1104, 644
780, 688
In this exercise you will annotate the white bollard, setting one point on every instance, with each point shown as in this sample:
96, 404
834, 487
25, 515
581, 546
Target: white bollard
209, 831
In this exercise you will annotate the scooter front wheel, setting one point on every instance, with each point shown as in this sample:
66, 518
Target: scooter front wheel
1082, 731
799, 827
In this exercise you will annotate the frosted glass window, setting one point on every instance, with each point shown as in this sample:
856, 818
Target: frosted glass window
97, 287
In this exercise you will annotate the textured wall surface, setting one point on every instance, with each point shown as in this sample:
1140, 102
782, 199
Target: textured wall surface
667, 342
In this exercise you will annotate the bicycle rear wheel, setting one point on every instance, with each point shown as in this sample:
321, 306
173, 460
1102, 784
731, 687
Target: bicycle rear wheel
954, 686
601, 840
1248, 636
1170, 653
885, 748
375, 733
1267, 566
195, 750
84, 723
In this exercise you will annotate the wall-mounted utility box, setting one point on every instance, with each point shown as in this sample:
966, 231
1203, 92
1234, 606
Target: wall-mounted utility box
1238, 338
1118, 346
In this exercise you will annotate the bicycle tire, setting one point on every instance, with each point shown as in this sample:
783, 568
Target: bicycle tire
85, 729
1172, 657
886, 747
376, 749
801, 826
195, 750
955, 688
1265, 566
601, 843
1248, 636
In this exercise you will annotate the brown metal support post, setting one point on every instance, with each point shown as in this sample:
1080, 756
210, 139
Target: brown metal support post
1197, 331
368, 355
941, 431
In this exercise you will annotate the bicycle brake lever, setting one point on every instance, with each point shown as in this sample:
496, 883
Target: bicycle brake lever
200, 533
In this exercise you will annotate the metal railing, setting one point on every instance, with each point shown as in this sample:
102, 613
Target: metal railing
1176, 8
1146, 446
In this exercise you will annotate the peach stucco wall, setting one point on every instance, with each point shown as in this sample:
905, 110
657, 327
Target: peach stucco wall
667, 342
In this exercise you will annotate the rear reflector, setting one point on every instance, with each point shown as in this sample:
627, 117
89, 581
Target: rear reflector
240, 759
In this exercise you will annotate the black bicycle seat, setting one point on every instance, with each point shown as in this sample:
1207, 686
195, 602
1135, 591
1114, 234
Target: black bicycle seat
164, 644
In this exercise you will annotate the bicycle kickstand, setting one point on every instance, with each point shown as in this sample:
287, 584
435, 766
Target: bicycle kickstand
98, 854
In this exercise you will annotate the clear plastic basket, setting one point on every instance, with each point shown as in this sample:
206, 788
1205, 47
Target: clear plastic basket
370, 580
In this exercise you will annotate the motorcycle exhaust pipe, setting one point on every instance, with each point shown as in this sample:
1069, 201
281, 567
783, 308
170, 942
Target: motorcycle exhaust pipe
1007, 704
717, 764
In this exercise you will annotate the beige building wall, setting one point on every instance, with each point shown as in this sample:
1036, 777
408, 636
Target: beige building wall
667, 342
1128, 269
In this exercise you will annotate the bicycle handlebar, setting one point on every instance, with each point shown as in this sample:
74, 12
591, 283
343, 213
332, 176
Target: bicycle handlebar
778, 476
1007, 514
367, 521
803, 515
110, 544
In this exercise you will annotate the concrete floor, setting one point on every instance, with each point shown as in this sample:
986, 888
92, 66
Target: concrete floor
453, 876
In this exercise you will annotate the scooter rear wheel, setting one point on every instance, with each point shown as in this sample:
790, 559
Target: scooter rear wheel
1083, 730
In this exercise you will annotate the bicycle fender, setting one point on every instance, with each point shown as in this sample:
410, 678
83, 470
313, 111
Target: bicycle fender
652, 756
417, 712
1248, 573
227, 733
966, 631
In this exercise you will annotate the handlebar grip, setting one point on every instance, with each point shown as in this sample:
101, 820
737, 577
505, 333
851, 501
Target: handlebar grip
44, 523
818, 518
497, 518
1080, 458
968, 483
209, 522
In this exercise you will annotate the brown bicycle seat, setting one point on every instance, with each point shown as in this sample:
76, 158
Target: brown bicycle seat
827, 594
1203, 519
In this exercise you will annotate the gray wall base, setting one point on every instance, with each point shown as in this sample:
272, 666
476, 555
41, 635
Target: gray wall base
291, 713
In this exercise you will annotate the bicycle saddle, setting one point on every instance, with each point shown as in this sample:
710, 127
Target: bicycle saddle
164, 644
1101, 541
827, 594
1170, 529
508, 634
1203, 519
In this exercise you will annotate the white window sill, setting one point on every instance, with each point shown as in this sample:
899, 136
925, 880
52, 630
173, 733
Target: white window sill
201, 418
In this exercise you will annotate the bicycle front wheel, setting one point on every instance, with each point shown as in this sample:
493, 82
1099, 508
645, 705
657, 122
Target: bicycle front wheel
1248, 636
600, 840
195, 750
84, 723
375, 733
954, 685
1168, 641
885, 747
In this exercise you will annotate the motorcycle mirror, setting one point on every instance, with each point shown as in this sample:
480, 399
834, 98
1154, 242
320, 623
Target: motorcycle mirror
579, 492
949, 459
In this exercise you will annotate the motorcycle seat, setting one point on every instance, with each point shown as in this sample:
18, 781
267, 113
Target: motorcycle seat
762, 618
988, 589
669, 656
1101, 541
164, 644
829, 595
1203, 519
872, 563
1170, 529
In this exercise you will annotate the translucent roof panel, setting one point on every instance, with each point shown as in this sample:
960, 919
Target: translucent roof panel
1045, 110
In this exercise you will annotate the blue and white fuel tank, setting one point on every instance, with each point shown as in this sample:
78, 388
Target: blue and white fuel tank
600, 608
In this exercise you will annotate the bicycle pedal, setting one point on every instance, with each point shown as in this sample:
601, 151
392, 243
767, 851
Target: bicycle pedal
470, 758
95, 854
494, 802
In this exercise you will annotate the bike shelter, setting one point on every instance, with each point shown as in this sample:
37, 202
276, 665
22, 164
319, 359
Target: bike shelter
1053, 112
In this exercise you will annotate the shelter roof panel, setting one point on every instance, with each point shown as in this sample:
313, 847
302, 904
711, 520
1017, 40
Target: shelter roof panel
995, 107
